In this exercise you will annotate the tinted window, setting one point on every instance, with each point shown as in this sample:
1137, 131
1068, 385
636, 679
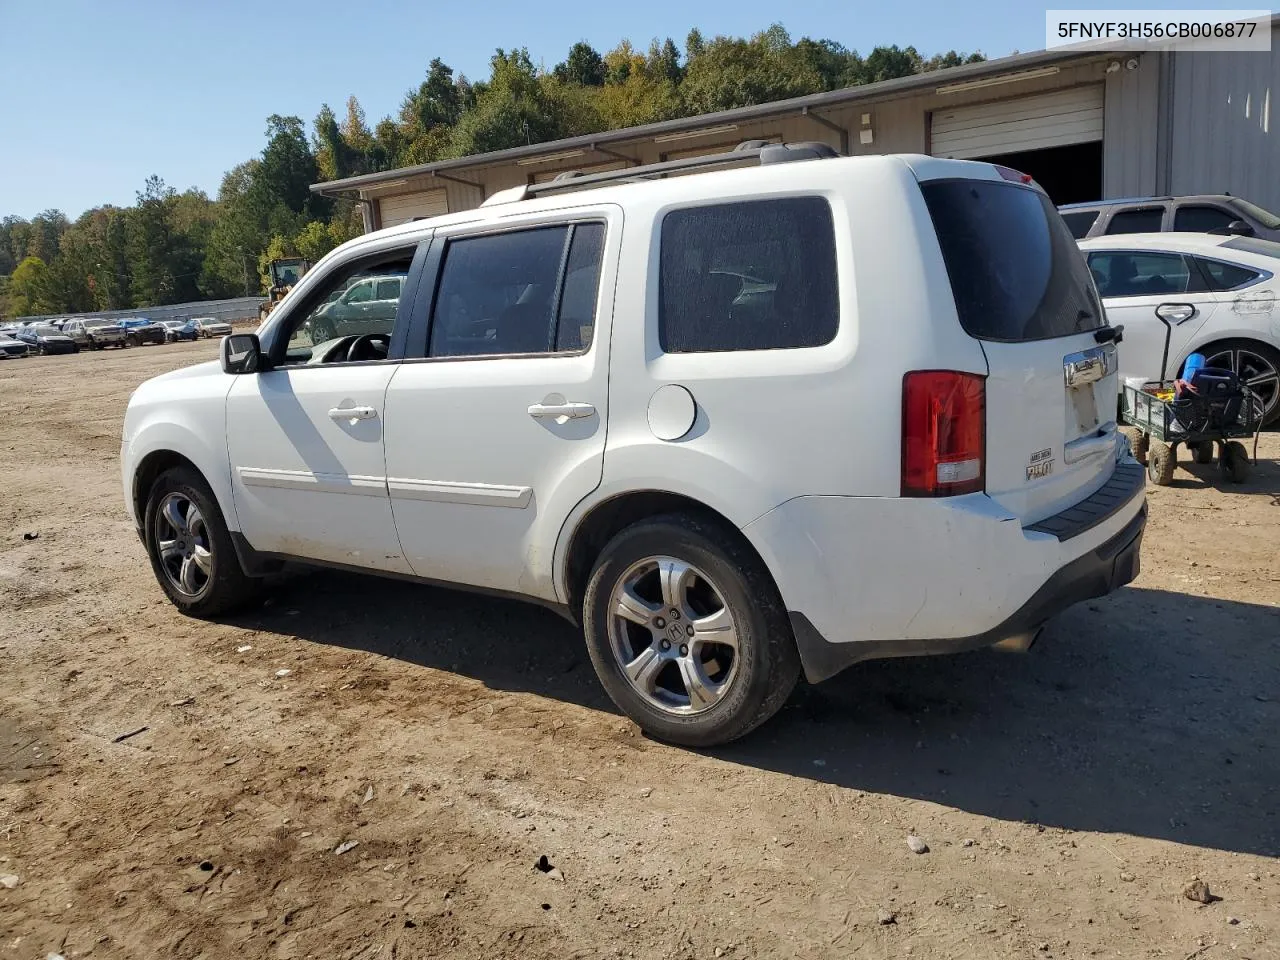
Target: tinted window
748, 276
387, 290
1226, 276
360, 293
498, 294
1201, 219
1015, 269
1079, 222
575, 322
1139, 274
1146, 220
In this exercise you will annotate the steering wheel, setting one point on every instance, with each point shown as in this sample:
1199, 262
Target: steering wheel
369, 346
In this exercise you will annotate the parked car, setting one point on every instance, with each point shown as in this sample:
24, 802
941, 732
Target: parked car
209, 327
11, 349
1205, 213
140, 330
1218, 292
368, 306
96, 334
45, 340
176, 330
725, 481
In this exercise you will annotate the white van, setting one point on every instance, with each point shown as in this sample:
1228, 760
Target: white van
785, 414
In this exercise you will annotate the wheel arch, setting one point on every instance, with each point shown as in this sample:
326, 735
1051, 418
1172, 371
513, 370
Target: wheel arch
583, 542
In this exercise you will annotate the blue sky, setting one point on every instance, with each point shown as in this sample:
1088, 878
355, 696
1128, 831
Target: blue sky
99, 95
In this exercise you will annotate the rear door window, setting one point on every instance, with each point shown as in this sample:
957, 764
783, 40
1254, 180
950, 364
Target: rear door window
1016, 272
1080, 222
1144, 220
1201, 219
1133, 274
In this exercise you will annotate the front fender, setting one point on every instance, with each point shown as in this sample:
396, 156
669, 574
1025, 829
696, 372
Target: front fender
193, 425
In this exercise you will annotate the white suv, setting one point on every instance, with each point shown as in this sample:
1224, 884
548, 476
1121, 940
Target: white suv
736, 424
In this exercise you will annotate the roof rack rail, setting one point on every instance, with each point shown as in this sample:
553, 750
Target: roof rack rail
761, 150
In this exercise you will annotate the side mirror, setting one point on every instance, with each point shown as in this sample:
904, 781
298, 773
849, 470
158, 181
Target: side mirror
1238, 228
241, 353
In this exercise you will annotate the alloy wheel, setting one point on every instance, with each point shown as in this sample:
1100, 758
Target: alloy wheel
673, 635
1257, 372
182, 542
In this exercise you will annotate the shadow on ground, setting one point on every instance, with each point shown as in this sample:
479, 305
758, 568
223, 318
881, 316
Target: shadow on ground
1151, 713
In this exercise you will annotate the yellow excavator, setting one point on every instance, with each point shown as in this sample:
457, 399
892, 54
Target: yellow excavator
284, 274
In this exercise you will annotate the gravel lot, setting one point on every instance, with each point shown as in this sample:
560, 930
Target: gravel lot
167, 789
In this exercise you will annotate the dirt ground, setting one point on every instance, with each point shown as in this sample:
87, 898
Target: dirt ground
173, 788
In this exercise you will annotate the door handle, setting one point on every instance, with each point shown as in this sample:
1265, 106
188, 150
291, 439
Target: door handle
352, 413
571, 411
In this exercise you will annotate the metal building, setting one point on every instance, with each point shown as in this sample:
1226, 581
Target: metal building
1086, 125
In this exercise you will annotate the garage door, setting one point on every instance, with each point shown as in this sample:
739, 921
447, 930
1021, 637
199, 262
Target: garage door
1055, 119
412, 206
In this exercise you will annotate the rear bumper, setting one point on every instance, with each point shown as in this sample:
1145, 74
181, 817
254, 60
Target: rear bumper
1097, 573
865, 578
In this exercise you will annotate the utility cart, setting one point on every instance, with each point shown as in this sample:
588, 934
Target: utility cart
1220, 413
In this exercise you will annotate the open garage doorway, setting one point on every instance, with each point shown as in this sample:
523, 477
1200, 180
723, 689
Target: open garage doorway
1055, 136
1068, 174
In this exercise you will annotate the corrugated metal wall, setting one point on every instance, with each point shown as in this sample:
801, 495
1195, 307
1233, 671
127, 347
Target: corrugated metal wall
1129, 140
1223, 128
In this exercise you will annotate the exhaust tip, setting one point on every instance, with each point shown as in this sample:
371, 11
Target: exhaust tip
1019, 642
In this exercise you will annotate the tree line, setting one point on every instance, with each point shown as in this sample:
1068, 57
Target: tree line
172, 247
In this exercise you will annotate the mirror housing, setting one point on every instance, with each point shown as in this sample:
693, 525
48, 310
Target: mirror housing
1238, 228
241, 353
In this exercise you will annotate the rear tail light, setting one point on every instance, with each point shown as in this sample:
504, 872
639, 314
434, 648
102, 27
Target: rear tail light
944, 429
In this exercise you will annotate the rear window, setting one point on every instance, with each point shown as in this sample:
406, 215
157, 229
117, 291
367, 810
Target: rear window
1268, 248
1015, 269
1080, 222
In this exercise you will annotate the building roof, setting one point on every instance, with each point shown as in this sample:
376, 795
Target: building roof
814, 102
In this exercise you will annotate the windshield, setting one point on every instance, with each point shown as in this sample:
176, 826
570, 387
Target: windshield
1264, 217
1267, 248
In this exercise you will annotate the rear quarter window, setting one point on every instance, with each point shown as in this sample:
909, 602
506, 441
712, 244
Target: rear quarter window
758, 275
1015, 270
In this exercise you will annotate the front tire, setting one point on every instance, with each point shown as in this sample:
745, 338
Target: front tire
190, 547
1160, 463
687, 631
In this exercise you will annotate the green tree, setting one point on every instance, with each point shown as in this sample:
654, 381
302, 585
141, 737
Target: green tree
583, 66
512, 109
28, 291
732, 72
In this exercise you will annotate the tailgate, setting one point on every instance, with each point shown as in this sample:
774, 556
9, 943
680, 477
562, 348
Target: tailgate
1023, 290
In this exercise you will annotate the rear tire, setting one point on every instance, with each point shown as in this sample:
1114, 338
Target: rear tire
1235, 463
1258, 366
1160, 463
192, 555
695, 584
